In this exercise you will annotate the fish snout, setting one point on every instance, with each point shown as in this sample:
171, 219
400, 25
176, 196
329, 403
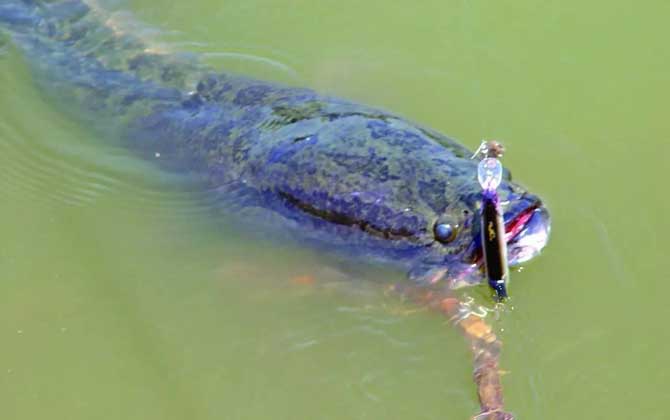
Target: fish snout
528, 240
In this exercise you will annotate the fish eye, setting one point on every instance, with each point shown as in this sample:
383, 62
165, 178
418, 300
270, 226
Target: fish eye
445, 232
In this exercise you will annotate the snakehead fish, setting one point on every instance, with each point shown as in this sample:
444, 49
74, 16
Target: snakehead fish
348, 177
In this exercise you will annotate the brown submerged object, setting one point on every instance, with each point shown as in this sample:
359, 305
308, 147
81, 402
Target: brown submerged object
484, 345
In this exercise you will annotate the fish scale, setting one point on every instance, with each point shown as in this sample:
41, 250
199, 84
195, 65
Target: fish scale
343, 176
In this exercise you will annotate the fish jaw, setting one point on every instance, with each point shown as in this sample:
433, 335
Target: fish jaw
526, 238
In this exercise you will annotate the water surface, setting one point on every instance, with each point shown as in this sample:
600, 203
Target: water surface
122, 297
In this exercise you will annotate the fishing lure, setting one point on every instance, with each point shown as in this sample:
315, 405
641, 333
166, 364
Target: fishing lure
494, 244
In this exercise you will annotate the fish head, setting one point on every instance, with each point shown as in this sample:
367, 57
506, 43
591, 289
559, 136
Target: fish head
411, 192
456, 254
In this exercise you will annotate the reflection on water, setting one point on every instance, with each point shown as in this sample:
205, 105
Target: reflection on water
126, 296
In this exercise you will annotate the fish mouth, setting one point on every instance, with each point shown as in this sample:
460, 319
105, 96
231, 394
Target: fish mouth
527, 229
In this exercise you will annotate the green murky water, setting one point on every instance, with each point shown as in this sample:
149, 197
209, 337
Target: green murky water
123, 299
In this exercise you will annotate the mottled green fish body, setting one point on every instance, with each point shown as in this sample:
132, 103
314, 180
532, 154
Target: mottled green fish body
340, 174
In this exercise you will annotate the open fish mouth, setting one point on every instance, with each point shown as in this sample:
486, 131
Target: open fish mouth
527, 231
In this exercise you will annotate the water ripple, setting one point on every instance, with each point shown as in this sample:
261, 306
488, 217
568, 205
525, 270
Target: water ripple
60, 169
271, 63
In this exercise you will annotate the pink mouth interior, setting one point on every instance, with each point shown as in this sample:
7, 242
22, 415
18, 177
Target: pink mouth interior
516, 225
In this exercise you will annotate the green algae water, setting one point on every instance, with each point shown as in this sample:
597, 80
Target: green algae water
123, 296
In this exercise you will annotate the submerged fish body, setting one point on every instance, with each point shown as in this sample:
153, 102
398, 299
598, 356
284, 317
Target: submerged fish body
340, 174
